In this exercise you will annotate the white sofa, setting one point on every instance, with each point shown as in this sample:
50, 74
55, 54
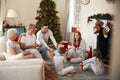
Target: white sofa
27, 69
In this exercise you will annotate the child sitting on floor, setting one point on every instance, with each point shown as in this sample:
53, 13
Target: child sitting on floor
53, 51
95, 63
59, 63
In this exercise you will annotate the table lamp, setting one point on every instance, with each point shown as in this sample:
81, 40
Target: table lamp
11, 14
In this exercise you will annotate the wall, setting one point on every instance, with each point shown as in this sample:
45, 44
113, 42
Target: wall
61, 14
115, 54
94, 7
26, 10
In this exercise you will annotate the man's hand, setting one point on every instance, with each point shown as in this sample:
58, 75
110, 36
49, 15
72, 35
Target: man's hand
51, 50
23, 34
35, 45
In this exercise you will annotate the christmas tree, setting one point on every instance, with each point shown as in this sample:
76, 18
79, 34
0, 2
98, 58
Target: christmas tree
47, 13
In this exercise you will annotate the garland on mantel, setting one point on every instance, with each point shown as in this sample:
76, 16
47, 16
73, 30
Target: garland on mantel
99, 16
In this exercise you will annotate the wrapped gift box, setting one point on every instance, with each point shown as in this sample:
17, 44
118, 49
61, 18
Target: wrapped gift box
74, 29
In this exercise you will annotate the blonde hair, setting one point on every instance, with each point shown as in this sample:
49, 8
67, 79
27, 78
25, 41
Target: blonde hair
11, 33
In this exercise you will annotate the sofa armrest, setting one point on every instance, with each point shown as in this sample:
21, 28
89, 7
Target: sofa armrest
24, 62
32, 72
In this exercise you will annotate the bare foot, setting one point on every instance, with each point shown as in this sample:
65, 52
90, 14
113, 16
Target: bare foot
47, 67
52, 67
69, 75
81, 66
26, 53
73, 72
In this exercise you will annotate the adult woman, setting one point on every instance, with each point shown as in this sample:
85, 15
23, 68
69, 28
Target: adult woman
76, 53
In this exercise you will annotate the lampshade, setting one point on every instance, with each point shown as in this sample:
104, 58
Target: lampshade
11, 13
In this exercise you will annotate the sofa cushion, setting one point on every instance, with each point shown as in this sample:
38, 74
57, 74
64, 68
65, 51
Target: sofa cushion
13, 57
3, 47
23, 62
33, 72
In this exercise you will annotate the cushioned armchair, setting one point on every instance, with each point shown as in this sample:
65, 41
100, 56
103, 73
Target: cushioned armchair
26, 69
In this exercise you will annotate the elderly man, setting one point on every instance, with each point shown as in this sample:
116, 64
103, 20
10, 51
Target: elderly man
28, 42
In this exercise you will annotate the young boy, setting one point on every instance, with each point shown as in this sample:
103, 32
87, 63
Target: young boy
59, 63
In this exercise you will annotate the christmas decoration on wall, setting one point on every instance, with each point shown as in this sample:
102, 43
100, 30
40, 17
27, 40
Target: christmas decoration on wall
111, 1
46, 13
101, 16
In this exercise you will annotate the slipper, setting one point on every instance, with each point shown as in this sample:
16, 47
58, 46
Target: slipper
69, 75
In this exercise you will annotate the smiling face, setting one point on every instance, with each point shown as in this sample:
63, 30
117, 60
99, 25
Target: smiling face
31, 29
77, 37
44, 29
96, 27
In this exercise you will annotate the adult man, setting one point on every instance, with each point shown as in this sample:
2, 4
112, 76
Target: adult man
44, 34
28, 42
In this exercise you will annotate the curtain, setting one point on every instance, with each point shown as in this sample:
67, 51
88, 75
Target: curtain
2, 13
69, 19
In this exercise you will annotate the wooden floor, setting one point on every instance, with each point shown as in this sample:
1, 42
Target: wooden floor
50, 76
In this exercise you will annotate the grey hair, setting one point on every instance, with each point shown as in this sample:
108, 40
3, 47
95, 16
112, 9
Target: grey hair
30, 25
11, 33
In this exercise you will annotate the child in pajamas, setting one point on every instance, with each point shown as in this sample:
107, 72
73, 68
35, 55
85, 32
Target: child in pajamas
95, 63
59, 63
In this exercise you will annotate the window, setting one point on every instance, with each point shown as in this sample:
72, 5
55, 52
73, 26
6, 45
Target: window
73, 8
74, 17
77, 12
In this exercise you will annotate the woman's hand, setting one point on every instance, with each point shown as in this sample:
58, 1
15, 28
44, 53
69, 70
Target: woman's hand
26, 53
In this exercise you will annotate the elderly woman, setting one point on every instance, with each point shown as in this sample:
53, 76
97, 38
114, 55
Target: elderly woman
13, 48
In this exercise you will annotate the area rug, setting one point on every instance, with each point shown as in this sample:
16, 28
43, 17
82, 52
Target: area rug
79, 75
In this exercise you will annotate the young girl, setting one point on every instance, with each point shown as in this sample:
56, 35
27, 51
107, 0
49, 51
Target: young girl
59, 63
95, 63
76, 53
